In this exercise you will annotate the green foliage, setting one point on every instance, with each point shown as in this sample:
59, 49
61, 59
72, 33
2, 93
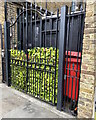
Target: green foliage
41, 72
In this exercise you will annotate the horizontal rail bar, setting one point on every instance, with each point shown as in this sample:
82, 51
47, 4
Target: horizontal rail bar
76, 14
33, 68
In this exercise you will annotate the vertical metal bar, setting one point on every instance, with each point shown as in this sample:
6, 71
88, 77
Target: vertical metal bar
45, 51
50, 58
27, 43
42, 80
49, 76
14, 34
7, 52
44, 75
52, 86
72, 85
35, 24
35, 46
73, 7
29, 67
45, 26
72, 91
37, 78
31, 28
18, 34
81, 5
71, 37
46, 5
51, 30
40, 76
31, 47
5, 6
67, 44
70, 52
78, 48
68, 34
81, 39
20, 29
56, 55
23, 29
40, 29
40, 51
62, 47
12, 72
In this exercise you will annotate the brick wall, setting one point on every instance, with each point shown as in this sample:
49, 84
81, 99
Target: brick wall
88, 63
2, 12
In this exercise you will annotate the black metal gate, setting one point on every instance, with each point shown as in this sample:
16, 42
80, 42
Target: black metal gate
70, 59
33, 52
43, 53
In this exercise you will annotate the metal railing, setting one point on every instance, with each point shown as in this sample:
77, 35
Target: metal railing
43, 54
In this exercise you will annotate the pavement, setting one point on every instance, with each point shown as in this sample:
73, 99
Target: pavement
15, 104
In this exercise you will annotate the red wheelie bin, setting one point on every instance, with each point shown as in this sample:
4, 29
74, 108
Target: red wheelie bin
72, 74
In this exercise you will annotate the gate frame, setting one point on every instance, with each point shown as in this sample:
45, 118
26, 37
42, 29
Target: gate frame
7, 52
7, 46
62, 47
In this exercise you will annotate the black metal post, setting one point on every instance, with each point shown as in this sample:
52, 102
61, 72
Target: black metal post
62, 47
5, 7
7, 52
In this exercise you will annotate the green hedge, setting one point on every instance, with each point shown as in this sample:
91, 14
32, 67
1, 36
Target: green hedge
39, 77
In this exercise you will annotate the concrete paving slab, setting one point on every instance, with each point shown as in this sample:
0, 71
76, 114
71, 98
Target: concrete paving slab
10, 103
30, 110
15, 104
5, 92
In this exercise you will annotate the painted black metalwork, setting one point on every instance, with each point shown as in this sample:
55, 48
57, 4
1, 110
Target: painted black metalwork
5, 6
27, 74
27, 43
7, 53
62, 45
39, 42
73, 61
